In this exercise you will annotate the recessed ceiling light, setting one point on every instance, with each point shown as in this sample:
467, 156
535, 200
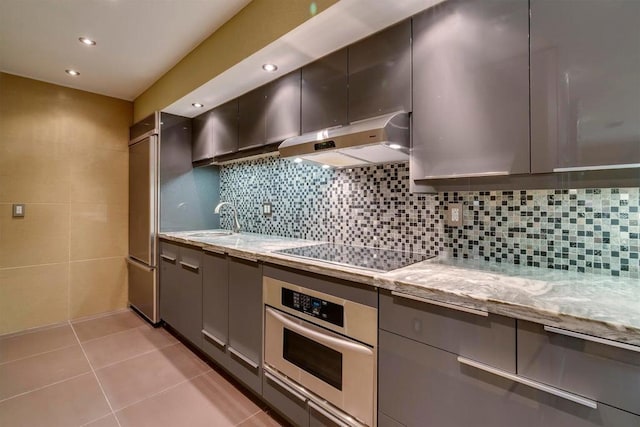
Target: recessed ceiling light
197, 105
72, 72
87, 41
269, 67
395, 146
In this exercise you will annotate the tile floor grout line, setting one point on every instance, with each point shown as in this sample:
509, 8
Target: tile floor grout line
137, 355
44, 386
186, 380
96, 377
38, 354
251, 416
97, 419
116, 333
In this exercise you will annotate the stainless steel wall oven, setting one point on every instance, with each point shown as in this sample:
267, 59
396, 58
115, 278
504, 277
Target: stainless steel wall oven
324, 348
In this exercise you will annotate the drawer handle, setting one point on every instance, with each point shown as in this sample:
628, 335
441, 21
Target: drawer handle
214, 339
467, 175
214, 250
333, 416
442, 304
285, 386
167, 258
534, 384
597, 167
586, 337
242, 357
190, 266
244, 257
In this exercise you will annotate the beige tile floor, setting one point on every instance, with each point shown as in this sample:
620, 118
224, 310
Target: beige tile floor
116, 370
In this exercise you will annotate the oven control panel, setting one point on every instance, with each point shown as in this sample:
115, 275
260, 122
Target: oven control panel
312, 306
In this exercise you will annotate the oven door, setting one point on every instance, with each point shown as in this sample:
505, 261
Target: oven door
337, 369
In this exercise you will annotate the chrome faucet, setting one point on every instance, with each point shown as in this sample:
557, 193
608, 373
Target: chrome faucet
236, 224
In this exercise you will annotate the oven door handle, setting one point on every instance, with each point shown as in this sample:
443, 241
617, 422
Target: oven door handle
323, 338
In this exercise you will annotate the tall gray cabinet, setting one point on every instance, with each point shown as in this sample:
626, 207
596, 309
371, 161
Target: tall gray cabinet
471, 89
585, 84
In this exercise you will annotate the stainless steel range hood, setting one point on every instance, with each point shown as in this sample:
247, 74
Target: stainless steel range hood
383, 139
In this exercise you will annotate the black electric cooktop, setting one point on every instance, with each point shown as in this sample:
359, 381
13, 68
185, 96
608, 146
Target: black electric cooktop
357, 256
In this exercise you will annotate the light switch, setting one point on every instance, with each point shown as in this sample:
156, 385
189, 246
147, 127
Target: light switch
18, 210
454, 215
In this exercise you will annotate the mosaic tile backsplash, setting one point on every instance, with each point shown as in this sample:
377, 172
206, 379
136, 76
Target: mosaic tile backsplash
586, 230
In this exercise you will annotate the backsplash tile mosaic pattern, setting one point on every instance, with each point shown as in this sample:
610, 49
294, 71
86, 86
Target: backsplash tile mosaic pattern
592, 230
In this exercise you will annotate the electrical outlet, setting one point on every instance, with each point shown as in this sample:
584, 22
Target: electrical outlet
454, 215
267, 209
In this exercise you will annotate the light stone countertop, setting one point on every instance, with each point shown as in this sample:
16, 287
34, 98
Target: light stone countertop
599, 305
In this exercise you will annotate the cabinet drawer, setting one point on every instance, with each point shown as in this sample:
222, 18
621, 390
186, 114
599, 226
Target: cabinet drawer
490, 340
598, 371
423, 386
292, 407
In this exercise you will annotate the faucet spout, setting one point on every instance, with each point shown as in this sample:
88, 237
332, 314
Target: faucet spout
236, 223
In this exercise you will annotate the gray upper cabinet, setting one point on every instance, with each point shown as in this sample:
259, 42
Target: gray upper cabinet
585, 84
283, 108
270, 113
252, 112
325, 92
471, 89
380, 73
215, 132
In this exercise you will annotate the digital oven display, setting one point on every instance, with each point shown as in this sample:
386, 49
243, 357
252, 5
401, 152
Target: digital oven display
312, 306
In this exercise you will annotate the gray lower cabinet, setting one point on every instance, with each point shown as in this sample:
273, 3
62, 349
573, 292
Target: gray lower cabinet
471, 90
380, 73
215, 307
181, 290
245, 322
325, 92
293, 408
215, 132
232, 316
420, 385
597, 370
585, 84
488, 339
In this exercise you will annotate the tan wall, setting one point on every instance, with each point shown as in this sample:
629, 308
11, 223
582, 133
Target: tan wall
63, 153
260, 23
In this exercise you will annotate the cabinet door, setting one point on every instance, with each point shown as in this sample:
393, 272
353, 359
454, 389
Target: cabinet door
245, 321
585, 84
189, 295
292, 407
252, 118
283, 108
215, 307
201, 146
325, 92
420, 385
598, 371
380, 73
169, 282
224, 128
471, 89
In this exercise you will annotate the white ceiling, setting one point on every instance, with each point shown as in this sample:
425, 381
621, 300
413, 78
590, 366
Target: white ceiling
138, 40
